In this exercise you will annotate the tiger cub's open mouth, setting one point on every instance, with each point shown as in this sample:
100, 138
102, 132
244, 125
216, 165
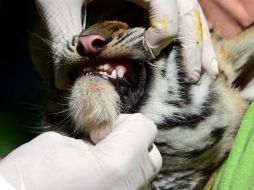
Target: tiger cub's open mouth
127, 76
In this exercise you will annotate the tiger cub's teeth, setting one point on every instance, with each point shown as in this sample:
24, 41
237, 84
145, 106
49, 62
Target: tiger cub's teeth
88, 73
113, 74
120, 71
117, 72
101, 67
106, 67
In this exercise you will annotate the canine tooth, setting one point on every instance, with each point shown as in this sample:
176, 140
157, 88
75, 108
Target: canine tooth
106, 67
113, 74
100, 67
120, 71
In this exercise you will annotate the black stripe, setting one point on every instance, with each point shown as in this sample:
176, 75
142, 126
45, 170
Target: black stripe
70, 47
184, 86
122, 38
171, 92
138, 45
176, 186
65, 53
218, 132
173, 103
188, 119
163, 72
73, 41
172, 182
129, 40
169, 150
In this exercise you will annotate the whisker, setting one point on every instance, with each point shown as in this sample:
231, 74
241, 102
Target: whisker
46, 41
63, 122
27, 105
60, 112
47, 54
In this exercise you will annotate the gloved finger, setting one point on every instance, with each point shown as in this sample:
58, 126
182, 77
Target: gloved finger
190, 34
164, 25
63, 21
62, 17
209, 59
139, 124
129, 130
156, 161
52, 139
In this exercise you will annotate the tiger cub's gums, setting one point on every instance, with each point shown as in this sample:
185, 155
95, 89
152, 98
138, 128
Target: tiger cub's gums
109, 72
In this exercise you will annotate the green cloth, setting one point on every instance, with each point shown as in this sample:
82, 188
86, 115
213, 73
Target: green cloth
238, 171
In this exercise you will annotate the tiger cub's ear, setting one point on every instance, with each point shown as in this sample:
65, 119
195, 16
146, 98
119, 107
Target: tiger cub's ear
236, 61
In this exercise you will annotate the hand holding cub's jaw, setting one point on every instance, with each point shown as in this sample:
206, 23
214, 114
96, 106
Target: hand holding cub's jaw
54, 161
181, 18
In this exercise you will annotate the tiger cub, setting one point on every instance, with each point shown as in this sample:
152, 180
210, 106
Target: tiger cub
109, 72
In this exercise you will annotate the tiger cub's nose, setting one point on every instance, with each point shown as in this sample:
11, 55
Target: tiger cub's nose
91, 44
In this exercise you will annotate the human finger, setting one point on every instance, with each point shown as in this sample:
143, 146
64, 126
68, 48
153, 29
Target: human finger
209, 59
130, 130
163, 25
62, 17
190, 35
156, 161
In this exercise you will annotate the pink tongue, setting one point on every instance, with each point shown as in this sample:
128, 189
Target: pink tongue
100, 133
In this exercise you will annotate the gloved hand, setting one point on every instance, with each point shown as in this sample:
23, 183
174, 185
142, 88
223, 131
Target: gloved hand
183, 18
119, 162
62, 18
168, 18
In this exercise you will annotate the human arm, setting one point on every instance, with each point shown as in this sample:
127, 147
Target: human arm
229, 17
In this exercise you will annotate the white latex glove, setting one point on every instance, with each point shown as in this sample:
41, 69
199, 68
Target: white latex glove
186, 19
119, 162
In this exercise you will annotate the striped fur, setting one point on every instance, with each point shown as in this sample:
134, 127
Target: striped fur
197, 122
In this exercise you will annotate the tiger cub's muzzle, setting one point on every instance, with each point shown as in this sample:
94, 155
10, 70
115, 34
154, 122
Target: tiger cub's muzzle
114, 52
